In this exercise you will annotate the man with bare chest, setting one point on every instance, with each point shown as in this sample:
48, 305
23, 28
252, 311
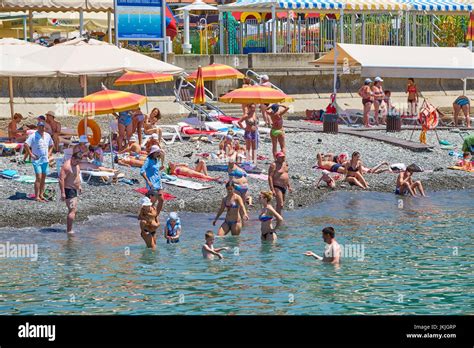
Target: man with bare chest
70, 186
279, 180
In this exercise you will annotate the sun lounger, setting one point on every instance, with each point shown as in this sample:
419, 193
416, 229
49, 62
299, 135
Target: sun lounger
173, 133
30, 179
96, 173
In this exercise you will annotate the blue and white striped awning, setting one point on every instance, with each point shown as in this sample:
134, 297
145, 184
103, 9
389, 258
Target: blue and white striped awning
440, 5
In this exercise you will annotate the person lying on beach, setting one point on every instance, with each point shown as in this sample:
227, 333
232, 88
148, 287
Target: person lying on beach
266, 217
353, 169
239, 177
331, 165
172, 228
183, 169
149, 222
235, 211
327, 179
406, 185
332, 251
208, 250
133, 148
153, 140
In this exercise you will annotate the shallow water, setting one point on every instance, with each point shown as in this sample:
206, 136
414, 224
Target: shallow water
417, 259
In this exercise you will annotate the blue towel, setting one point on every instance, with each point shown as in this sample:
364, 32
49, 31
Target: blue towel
9, 174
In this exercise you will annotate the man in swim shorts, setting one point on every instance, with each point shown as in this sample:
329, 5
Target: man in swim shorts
330, 165
279, 180
406, 185
332, 251
70, 186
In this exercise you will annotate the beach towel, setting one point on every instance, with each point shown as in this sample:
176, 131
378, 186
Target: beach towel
9, 174
192, 131
30, 179
187, 184
168, 177
461, 168
144, 190
227, 119
259, 176
15, 146
245, 166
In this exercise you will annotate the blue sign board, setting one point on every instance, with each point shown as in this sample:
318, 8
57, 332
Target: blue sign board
140, 19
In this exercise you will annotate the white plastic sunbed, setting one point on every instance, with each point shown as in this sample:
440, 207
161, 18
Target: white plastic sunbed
96, 173
187, 184
173, 133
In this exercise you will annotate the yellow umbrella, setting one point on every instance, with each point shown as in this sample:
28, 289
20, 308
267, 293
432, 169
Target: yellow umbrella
217, 72
255, 94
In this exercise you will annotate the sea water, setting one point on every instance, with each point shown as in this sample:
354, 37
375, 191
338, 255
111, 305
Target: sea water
409, 256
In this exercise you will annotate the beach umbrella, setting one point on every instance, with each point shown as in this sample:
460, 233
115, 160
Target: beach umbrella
470, 28
255, 94
142, 78
199, 93
217, 72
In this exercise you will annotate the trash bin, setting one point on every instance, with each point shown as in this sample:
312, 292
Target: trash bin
394, 123
330, 123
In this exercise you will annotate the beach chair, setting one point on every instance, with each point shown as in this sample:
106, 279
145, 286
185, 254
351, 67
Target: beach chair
96, 173
173, 133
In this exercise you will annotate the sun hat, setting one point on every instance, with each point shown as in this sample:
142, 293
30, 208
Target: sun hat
367, 80
50, 113
378, 79
280, 154
83, 139
154, 136
154, 148
145, 202
40, 124
173, 216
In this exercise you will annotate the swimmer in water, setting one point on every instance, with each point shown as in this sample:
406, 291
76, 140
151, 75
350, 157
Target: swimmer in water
173, 228
332, 251
266, 217
235, 211
208, 250
149, 222
239, 177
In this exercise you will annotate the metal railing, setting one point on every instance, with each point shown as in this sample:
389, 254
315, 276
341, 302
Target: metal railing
251, 73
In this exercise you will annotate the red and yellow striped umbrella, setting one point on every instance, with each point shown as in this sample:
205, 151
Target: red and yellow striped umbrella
217, 72
470, 28
106, 102
255, 94
199, 96
139, 78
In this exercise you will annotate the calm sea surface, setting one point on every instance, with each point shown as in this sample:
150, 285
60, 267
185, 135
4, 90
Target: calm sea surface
417, 259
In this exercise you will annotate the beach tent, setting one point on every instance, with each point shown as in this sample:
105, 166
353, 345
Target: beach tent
402, 61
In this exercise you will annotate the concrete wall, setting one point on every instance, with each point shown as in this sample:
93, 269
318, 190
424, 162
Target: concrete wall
287, 60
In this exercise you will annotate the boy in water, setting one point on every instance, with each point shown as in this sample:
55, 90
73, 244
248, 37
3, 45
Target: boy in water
149, 222
327, 179
208, 250
332, 251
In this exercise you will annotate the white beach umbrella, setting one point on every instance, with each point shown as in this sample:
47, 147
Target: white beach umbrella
198, 5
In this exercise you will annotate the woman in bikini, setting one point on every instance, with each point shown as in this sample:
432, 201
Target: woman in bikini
267, 214
138, 119
367, 100
150, 124
277, 134
377, 91
235, 211
124, 127
354, 171
462, 103
149, 222
225, 147
239, 177
251, 131
412, 97
16, 133
182, 169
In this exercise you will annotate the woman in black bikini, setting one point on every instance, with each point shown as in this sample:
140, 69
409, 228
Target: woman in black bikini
354, 171
235, 209
266, 217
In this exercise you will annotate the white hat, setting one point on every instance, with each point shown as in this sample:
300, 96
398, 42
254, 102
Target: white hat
154, 136
367, 80
51, 113
83, 139
174, 216
264, 77
154, 148
145, 202
326, 172
378, 79
133, 139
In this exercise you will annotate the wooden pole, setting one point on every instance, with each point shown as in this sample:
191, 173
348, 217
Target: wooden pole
10, 90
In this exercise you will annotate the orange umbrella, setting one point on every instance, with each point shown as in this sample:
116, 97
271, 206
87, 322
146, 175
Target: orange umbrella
255, 94
217, 72
470, 28
106, 102
199, 96
139, 78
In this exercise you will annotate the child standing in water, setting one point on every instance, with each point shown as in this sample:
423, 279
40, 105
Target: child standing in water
173, 228
149, 222
208, 250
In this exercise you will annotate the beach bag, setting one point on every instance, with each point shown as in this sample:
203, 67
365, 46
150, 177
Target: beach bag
9, 174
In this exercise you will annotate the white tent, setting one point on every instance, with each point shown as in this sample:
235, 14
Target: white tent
401, 61
93, 57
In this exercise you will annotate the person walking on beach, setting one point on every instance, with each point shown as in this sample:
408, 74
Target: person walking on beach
379, 95
149, 222
251, 131
412, 97
277, 133
367, 100
279, 180
208, 251
406, 185
39, 146
151, 172
55, 127
235, 212
267, 214
70, 186
332, 251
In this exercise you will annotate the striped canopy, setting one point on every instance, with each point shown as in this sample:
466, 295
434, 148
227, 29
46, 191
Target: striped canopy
140, 78
255, 94
470, 28
253, 5
106, 102
199, 95
374, 5
217, 72
440, 5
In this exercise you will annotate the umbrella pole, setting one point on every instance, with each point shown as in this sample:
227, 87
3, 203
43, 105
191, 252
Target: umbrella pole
10, 89
146, 95
110, 140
